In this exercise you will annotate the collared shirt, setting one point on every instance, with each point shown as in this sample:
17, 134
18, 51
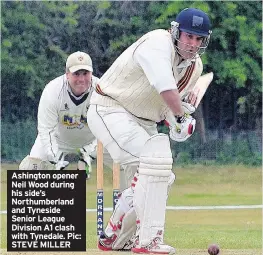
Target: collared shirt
62, 116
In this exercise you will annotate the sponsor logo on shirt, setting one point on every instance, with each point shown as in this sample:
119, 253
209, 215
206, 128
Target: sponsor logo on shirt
74, 121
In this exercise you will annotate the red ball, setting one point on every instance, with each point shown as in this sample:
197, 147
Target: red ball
213, 249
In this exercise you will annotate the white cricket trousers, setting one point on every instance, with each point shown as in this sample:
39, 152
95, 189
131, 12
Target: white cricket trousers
122, 134
39, 151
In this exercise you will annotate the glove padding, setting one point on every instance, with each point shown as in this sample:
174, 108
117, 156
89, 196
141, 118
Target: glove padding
61, 164
85, 160
183, 128
57, 160
188, 108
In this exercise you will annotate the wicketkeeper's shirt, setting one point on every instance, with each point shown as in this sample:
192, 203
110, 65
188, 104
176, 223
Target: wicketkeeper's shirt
144, 70
62, 117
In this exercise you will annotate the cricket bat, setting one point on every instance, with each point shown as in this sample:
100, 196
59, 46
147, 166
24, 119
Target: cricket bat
199, 90
200, 87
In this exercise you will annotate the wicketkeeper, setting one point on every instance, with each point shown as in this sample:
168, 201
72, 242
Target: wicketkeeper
145, 83
62, 119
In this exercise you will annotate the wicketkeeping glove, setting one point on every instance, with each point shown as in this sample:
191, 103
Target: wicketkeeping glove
84, 162
57, 160
183, 128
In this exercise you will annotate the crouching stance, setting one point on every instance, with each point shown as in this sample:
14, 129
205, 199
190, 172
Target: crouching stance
62, 122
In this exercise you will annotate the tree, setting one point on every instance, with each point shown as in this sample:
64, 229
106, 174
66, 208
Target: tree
34, 49
38, 36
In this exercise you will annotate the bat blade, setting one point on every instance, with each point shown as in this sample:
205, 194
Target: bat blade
201, 86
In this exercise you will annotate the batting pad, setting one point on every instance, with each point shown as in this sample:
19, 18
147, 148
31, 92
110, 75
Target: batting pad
150, 192
123, 220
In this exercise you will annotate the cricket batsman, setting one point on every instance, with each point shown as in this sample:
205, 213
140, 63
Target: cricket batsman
146, 82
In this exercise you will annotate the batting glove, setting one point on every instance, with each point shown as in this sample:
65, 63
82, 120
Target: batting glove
183, 128
188, 108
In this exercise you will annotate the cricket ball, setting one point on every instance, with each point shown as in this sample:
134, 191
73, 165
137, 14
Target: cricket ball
213, 249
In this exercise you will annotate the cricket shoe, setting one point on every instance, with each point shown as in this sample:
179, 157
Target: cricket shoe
105, 243
155, 247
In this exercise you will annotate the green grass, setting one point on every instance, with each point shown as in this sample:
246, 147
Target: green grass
238, 229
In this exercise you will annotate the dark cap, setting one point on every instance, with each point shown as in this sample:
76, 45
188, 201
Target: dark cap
194, 21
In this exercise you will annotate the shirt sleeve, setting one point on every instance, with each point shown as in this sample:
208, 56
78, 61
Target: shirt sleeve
48, 120
155, 58
94, 82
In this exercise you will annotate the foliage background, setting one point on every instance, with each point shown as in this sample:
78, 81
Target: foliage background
37, 37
